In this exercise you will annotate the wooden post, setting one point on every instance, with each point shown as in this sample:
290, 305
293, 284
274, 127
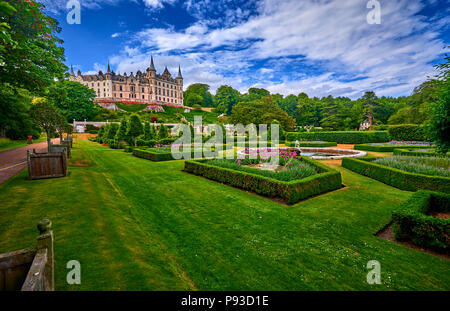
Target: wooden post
45, 241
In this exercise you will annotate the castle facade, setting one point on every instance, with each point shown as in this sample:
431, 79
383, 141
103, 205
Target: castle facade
146, 87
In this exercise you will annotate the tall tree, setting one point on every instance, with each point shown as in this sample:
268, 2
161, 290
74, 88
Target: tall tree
135, 128
198, 94
47, 117
31, 55
74, 100
226, 97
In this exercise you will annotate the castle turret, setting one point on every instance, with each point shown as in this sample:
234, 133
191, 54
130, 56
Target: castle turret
72, 74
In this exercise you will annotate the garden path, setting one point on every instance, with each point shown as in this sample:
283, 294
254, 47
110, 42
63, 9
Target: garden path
12, 161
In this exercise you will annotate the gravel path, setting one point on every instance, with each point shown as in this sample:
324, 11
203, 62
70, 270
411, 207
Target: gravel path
12, 161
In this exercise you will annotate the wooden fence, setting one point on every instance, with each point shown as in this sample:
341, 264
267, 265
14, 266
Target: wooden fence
30, 269
47, 165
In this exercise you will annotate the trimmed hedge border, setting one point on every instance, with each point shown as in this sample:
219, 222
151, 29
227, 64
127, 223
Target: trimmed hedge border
367, 147
343, 137
291, 192
407, 132
413, 153
312, 144
411, 222
395, 177
159, 156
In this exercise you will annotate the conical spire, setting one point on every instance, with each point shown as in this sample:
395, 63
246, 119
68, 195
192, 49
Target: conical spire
109, 69
71, 71
179, 72
152, 66
166, 71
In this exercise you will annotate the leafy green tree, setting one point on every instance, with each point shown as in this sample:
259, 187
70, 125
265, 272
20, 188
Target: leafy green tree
289, 105
47, 117
226, 97
255, 94
198, 94
61, 126
146, 130
73, 99
438, 126
135, 128
31, 55
261, 111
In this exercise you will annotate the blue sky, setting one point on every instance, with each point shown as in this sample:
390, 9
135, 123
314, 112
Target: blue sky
321, 47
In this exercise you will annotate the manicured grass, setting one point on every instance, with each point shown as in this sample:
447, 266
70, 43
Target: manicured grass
135, 224
11, 144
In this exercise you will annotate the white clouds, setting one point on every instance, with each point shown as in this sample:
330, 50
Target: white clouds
157, 4
115, 35
332, 37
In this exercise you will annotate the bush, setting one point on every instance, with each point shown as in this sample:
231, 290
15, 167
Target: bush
344, 137
414, 153
379, 148
312, 144
395, 177
411, 222
407, 132
291, 192
166, 141
156, 156
128, 149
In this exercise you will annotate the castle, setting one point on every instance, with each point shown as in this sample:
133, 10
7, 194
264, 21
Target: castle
147, 87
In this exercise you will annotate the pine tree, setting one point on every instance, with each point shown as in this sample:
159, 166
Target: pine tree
147, 130
135, 128
162, 132
122, 132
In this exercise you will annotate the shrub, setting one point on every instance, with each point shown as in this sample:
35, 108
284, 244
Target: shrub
344, 137
166, 141
416, 153
395, 177
91, 129
407, 132
155, 155
291, 191
411, 222
312, 144
380, 148
128, 149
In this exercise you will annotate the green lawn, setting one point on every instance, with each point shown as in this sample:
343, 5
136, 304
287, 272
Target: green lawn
135, 224
19, 143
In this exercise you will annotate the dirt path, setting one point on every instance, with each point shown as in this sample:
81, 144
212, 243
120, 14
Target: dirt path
12, 161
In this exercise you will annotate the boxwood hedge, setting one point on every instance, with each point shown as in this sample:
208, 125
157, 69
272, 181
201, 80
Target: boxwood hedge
411, 222
291, 192
415, 153
395, 177
163, 156
345, 137
312, 144
380, 148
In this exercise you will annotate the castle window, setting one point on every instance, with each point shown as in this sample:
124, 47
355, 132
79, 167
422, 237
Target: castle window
120, 88
103, 83
120, 95
98, 84
143, 97
143, 90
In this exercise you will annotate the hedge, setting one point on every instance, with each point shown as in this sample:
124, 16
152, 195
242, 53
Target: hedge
411, 222
160, 156
313, 144
414, 153
379, 148
345, 137
395, 177
291, 192
407, 132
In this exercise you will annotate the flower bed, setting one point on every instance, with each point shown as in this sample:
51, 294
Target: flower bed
396, 177
392, 145
324, 180
428, 166
312, 144
342, 137
412, 222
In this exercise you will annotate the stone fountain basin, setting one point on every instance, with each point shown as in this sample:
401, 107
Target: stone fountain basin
320, 153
